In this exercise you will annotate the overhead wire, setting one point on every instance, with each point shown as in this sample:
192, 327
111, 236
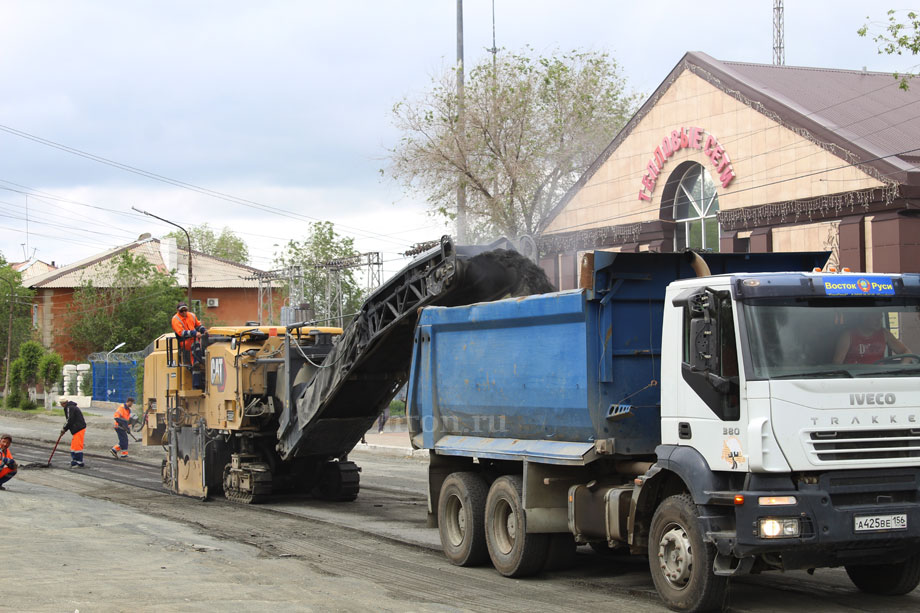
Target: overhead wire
189, 186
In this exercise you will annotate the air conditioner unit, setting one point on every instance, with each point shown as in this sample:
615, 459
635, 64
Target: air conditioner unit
213, 302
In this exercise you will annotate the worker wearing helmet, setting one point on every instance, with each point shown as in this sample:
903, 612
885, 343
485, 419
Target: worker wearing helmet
77, 426
122, 419
8, 465
187, 327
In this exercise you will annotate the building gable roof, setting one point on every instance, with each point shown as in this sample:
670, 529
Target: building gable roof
207, 271
862, 117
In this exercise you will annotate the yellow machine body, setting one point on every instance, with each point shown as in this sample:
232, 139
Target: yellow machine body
210, 414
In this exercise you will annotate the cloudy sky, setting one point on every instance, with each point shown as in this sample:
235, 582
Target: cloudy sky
286, 105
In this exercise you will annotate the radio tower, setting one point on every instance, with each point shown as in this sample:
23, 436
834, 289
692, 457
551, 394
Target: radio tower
779, 50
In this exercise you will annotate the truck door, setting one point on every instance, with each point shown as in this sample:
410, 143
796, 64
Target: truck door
708, 400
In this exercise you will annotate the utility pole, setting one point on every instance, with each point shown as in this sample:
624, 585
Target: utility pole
779, 46
189, 243
461, 127
9, 342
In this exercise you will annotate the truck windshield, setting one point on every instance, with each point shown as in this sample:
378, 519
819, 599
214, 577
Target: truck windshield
816, 338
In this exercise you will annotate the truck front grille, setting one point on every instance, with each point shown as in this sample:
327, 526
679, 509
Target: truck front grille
850, 445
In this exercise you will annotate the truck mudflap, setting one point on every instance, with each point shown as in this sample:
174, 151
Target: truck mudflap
827, 519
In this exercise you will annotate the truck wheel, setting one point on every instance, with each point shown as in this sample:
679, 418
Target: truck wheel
680, 562
513, 551
461, 511
886, 579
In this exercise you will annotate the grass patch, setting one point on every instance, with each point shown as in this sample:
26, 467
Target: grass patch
38, 411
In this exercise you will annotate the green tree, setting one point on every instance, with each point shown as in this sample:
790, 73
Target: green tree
226, 245
24, 371
896, 38
30, 355
322, 246
12, 294
134, 308
528, 128
50, 371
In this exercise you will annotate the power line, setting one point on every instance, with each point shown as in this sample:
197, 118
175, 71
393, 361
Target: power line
183, 184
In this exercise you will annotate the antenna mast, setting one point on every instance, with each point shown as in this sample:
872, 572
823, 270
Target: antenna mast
779, 48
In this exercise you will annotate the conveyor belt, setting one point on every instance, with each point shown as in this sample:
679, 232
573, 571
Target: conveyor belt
371, 360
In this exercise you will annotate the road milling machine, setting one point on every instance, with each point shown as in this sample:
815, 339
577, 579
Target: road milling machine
279, 408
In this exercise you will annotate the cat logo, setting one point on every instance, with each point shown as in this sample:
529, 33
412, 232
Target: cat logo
218, 373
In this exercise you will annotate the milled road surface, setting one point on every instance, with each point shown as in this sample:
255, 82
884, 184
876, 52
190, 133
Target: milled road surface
88, 540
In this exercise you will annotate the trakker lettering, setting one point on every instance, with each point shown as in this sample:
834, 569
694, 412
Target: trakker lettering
858, 286
879, 398
858, 420
692, 137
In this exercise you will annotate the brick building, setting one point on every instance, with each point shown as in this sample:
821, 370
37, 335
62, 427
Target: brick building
227, 292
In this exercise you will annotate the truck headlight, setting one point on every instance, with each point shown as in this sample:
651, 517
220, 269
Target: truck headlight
775, 501
779, 527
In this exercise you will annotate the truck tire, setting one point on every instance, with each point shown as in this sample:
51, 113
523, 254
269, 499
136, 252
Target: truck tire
513, 551
461, 519
679, 559
886, 579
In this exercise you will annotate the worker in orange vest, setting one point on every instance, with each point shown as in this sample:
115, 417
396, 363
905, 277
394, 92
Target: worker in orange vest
187, 327
8, 465
76, 423
122, 418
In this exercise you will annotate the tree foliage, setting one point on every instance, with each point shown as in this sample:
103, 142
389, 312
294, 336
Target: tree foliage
135, 307
226, 245
50, 368
30, 356
322, 246
25, 372
12, 294
897, 38
529, 127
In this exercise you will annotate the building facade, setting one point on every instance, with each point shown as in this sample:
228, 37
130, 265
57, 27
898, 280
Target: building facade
728, 156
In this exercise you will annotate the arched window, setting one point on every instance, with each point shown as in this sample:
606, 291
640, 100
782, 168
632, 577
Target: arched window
695, 206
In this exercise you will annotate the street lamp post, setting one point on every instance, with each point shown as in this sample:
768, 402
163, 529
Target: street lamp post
9, 342
189, 243
116, 347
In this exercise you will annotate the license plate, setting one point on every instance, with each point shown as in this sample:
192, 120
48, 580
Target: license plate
874, 523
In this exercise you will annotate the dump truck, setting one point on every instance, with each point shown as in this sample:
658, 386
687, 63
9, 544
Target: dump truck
252, 411
710, 415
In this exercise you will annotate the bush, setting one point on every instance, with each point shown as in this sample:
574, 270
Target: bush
72, 386
397, 408
27, 404
86, 384
50, 367
14, 397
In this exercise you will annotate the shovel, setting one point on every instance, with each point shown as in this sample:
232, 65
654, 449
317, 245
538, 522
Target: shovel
55, 448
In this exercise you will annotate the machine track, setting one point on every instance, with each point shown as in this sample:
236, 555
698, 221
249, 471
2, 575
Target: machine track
257, 478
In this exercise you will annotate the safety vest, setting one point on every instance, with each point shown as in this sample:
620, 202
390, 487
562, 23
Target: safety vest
180, 324
122, 412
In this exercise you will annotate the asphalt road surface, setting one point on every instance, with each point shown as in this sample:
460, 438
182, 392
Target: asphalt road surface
376, 552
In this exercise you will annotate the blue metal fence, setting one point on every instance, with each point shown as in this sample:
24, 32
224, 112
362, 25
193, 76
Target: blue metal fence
115, 375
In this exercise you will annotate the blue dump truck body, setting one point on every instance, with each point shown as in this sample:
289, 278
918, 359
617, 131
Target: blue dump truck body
524, 375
